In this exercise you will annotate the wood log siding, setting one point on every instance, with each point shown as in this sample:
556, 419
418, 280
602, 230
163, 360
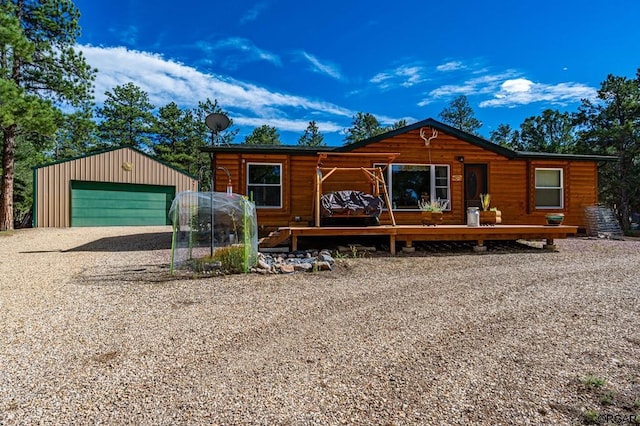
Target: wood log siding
511, 182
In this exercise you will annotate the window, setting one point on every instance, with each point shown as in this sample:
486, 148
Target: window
264, 182
408, 183
549, 189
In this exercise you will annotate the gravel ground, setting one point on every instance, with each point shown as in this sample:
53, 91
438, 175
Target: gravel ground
93, 330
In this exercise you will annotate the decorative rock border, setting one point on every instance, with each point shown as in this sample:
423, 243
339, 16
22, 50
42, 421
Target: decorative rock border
298, 261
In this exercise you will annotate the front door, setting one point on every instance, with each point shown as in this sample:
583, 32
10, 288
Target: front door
475, 183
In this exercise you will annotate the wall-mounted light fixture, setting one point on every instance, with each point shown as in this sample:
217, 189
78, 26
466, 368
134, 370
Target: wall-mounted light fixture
461, 158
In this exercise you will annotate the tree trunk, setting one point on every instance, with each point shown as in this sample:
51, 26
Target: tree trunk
6, 186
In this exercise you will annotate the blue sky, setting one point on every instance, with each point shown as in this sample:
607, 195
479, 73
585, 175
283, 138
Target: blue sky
286, 62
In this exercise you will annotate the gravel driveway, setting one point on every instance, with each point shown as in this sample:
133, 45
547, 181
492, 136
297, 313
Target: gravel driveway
94, 331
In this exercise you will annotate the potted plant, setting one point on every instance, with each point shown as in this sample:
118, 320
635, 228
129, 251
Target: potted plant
554, 219
488, 215
432, 211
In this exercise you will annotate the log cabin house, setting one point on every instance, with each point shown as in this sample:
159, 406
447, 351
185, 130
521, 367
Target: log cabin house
427, 159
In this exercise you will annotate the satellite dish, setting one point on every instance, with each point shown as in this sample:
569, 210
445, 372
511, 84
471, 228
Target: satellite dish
217, 122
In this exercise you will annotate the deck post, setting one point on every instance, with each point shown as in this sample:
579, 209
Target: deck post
392, 244
294, 242
318, 192
408, 248
549, 245
480, 247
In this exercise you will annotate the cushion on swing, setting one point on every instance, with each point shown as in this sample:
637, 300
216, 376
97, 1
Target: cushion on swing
350, 203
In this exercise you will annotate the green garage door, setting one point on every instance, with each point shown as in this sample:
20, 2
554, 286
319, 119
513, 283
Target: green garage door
117, 204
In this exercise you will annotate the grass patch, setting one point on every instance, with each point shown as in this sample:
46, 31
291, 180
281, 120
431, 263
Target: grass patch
228, 260
591, 416
593, 381
607, 398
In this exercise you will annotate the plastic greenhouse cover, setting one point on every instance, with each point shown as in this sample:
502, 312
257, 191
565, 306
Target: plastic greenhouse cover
206, 221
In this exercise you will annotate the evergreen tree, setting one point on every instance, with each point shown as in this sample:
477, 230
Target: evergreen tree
553, 131
263, 135
505, 136
612, 126
212, 107
203, 136
364, 126
127, 118
30, 152
460, 115
311, 136
40, 71
398, 124
76, 134
175, 134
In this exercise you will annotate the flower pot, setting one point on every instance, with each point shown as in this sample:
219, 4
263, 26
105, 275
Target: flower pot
490, 217
554, 219
431, 218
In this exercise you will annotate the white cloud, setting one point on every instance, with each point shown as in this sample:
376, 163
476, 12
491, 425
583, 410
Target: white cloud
453, 90
483, 84
168, 81
479, 85
522, 92
253, 13
286, 124
510, 89
323, 68
404, 75
127, 35
237, 51
450, 66
517, 85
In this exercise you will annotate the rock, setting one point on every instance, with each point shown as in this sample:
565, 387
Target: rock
324, 257
287, 268
298, 261
210, 266
303, 267
263, 264
322, 266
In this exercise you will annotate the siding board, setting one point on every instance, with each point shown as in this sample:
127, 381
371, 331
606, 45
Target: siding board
511, 181
54, 181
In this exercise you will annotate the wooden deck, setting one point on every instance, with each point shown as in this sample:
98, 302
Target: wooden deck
410, 233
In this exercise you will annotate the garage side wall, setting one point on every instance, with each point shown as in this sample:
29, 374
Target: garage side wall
53, 182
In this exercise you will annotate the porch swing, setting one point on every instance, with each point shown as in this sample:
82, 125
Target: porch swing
351, 203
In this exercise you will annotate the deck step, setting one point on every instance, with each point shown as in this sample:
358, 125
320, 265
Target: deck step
275, 238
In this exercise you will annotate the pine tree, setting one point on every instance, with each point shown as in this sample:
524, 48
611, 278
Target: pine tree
127, 118
460, 115
364, 126
40, 71
311, 136
611, 126
263, 135
175, 133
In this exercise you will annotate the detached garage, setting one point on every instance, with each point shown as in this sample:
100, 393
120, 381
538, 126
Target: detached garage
119, 187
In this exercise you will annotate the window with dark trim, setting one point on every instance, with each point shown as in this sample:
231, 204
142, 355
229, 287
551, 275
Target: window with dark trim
264, 184
549, 188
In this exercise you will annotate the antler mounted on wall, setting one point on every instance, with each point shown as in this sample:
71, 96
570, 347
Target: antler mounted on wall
423, 132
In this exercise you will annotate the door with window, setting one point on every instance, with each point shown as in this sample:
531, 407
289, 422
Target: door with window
475, 183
